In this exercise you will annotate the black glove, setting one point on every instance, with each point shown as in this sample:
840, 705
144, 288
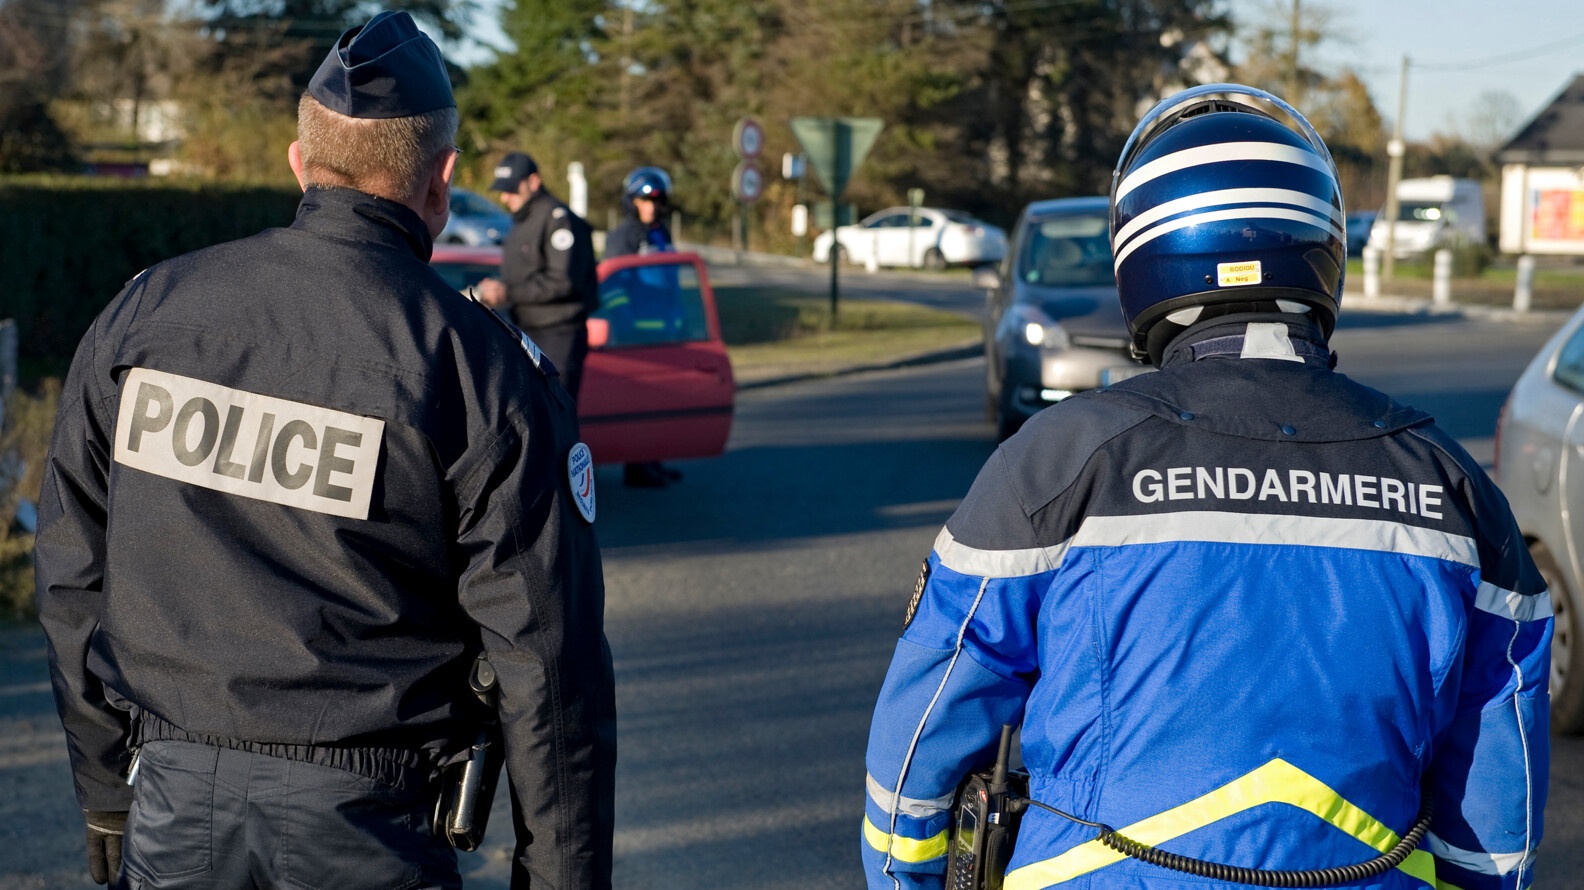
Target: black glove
104, 843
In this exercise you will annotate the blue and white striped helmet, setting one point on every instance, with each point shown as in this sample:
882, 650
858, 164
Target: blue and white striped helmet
1225, 198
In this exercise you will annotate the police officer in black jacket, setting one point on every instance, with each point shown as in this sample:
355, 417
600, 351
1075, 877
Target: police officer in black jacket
297, 483
547, 267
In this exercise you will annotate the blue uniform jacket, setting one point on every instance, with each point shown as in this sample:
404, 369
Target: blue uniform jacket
1243, 609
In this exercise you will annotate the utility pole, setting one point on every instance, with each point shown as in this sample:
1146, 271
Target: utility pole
1293, 97
1394, 151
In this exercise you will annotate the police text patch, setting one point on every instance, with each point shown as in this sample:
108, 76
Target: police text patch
248, 444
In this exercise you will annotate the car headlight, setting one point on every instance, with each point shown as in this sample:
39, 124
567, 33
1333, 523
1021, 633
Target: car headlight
1036, 328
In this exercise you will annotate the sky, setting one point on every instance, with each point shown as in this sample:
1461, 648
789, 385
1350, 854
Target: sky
1457, 49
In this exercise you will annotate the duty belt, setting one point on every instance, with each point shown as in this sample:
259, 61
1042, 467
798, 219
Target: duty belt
401, 767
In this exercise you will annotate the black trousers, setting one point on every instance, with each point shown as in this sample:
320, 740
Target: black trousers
206, 818
567, 346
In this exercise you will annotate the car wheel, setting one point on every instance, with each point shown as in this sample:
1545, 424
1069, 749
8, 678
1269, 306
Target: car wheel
934, 259
1567, 655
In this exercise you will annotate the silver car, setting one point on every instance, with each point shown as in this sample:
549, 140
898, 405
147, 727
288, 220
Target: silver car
1053, 326
1540, 467
475, 221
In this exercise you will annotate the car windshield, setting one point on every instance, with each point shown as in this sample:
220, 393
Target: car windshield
1067, 251
469, 204
464, 275
649, 305
1418, 211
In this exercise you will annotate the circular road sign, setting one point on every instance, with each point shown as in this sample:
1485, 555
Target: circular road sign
748, 138
747, 182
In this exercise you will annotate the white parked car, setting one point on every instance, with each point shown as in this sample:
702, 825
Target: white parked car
936, 239
1540, 468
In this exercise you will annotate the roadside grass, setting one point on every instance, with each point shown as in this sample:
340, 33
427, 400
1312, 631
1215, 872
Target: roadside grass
772, 333
25, 444
1558, 282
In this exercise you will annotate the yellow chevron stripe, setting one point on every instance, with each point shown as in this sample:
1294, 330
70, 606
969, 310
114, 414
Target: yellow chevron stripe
904, 849
1276, 782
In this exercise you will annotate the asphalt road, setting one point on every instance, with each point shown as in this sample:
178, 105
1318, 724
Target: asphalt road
752, 610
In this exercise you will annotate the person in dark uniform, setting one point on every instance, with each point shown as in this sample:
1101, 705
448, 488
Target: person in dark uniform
547, 263
296, 486
646, 196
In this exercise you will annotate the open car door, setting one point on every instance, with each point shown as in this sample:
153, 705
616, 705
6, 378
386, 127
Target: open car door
657, 384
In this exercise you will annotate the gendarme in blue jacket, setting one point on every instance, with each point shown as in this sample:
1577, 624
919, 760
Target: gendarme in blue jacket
1243, 608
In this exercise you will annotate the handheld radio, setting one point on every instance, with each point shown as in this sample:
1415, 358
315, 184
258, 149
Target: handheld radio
985, 823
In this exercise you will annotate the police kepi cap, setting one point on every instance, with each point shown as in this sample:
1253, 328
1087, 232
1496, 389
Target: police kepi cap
386, 68
511, 171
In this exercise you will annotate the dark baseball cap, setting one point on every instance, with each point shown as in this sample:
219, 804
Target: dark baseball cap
511, 171
383, 69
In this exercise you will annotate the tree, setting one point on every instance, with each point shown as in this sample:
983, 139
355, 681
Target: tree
308, 29
34, 68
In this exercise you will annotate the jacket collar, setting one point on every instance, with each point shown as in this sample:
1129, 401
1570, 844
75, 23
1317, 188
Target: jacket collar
351, 215
1279, 336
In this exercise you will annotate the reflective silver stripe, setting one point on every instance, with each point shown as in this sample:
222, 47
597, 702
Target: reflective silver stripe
1224, 196
1197, 219
1212, 154
1506, 603
1291, 531
966, 560
1473, 860
907, 806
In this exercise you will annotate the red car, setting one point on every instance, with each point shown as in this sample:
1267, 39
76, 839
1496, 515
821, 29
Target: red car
657, 385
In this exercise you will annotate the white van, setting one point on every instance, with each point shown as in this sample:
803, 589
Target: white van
1433, 213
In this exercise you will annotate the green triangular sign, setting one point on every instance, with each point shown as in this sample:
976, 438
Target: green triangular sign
836, 146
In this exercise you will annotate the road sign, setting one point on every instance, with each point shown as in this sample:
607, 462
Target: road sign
747, 182
748, 138
836, 146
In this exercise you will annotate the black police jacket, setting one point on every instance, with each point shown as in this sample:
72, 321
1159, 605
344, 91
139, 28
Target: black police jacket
547, 264
295, 483
632, 236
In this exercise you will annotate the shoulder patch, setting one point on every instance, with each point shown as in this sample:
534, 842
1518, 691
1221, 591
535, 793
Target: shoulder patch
247, 444
580, 476
558, 213
561, 239
918, 594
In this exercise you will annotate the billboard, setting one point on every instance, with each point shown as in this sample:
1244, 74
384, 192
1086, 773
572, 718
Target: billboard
1542, 210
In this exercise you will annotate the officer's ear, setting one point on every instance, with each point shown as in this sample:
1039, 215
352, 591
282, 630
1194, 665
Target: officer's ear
294, 157
434, 200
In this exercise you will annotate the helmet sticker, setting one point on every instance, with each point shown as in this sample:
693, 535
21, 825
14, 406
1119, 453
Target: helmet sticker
561, 239
580, 476
1238, 274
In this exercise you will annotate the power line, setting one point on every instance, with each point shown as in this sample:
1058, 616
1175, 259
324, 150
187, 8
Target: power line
1503, 59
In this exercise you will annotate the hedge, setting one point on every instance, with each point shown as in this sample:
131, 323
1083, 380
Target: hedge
67, 245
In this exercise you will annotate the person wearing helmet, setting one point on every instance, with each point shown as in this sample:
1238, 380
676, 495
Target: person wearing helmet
646, 197
1244, 610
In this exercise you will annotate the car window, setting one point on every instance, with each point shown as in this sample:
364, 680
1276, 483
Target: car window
1570, 362
1067, 251
464, 275
958, 216
651, 305
469, 204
